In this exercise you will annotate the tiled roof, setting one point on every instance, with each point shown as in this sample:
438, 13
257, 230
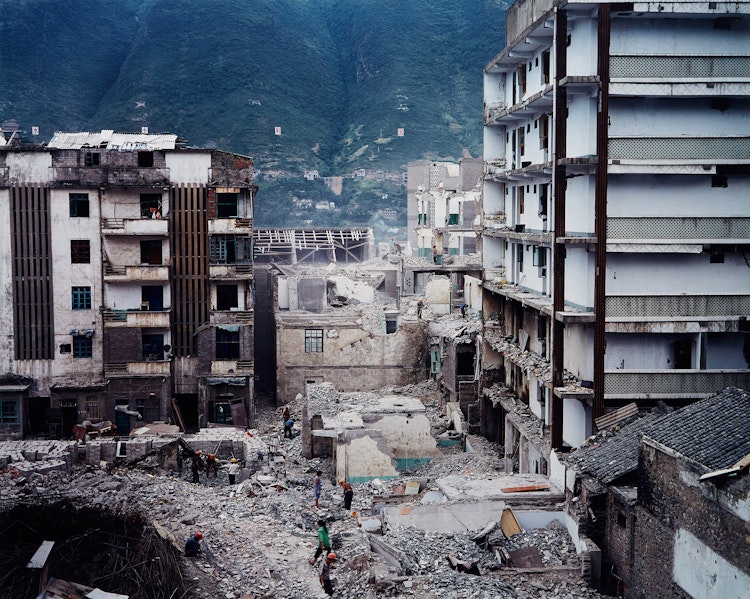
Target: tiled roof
612, 454
714, 432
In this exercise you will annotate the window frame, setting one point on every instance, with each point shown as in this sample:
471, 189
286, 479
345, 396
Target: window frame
227, 344
80, 297
83, 346
313, 341
9, 411
77, 201
80, 251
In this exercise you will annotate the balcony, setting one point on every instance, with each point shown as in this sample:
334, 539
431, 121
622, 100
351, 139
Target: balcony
231, 317
230, 271
116, 273
671, 384
711, 229
145, 368
679, 75
691, 150
230, 225
96, 176
135, 226
673, 307
232, 367
136, 318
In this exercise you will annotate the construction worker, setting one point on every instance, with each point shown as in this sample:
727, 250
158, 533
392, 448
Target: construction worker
348, 494
233, 470
193, 545
197, 465
325, 573
212, 465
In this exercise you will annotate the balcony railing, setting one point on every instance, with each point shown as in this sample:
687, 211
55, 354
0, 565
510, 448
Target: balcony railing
676, 306
679, 67
136, 318
115, 272
145, 368
685, 227
665, 149
109, 175
673, 383
135, 226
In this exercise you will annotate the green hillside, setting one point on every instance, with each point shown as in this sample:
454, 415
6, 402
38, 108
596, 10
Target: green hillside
340, 77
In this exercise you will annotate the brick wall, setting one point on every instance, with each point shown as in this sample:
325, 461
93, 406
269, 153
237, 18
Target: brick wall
122, 344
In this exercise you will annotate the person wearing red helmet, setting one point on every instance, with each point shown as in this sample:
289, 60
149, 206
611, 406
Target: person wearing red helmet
325, 573
193, 545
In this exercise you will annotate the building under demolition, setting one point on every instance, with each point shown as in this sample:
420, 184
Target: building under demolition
127, 269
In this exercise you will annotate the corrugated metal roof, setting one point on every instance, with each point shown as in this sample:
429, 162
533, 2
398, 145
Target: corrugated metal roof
109, 140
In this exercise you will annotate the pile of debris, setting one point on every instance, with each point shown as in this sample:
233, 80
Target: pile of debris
259, 535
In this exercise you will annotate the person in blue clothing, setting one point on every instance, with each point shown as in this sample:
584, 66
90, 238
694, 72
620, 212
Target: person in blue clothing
288, 428
193, 545
318, 487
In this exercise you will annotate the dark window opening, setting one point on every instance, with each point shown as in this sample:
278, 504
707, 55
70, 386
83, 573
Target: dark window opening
150, 205
146, 159
719, 181
148, 408
9, 411
79, 205
227, 344
222, 412
230, 249
716, 257
391, 323
313, 340
683, 354
152, 346
621, 521
66, 348
81, 298
539, 256
152, 297
226, 205
465, 363
83, 347
80, 251
92, 159
151, 251
226, 297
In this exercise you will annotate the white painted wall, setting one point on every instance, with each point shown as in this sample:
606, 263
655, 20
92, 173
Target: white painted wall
126, 203
579, 206
702, 572
725, 351
575, 425
641, 351
28, 167
127, 296
582, 51
678, 36
188, 167
670, 195
581, 127
665, 274
579, 277
6, 285
579, 353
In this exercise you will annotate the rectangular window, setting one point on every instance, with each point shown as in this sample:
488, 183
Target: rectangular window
80, 251
226, 205
83, 347
152, 298
150, 205
313, 340
91, 159
81, 298
151, 251
8, 411
79, 205
226, 297
152, 346
540, 256
521, 197
231, 249
545, 67
227, 344
544, 132
148, 408
92, 407
145, 159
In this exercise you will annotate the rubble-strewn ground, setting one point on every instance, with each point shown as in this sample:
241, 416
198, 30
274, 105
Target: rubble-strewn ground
260, 546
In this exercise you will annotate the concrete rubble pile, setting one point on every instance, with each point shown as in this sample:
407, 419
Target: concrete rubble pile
260, 534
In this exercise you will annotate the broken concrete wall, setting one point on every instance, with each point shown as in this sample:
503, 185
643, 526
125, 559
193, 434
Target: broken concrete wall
363, 456
437, 294
352, 290
408, 436
309, 294
352, 359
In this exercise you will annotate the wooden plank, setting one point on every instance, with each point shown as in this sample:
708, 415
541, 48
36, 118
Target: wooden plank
508, 523
612, 418
526, 488
39, 559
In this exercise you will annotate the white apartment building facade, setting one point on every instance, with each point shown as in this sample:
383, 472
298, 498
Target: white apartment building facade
616, 213
126, 274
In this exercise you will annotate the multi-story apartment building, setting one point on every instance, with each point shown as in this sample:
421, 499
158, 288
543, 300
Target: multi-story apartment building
616, 238
126, 273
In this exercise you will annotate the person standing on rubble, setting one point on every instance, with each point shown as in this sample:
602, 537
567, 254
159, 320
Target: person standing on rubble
324, 541
325, 573
286, 415
420, 307
212, 466
193, 545
196, 465
318, 487
233, 470
348, 494
288, 425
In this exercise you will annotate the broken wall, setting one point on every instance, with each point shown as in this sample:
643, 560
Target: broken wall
363, 456
437, 294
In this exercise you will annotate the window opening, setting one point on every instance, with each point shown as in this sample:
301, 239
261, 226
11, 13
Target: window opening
226, 205
9, 411
227, 344
79, 205
151, 251
80, 251
146, 159
91, 159
226, 297
150, 205
313, 340
83, 346
81, 298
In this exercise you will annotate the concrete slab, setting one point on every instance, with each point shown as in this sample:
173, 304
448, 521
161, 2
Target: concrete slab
463, 488
456, 517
